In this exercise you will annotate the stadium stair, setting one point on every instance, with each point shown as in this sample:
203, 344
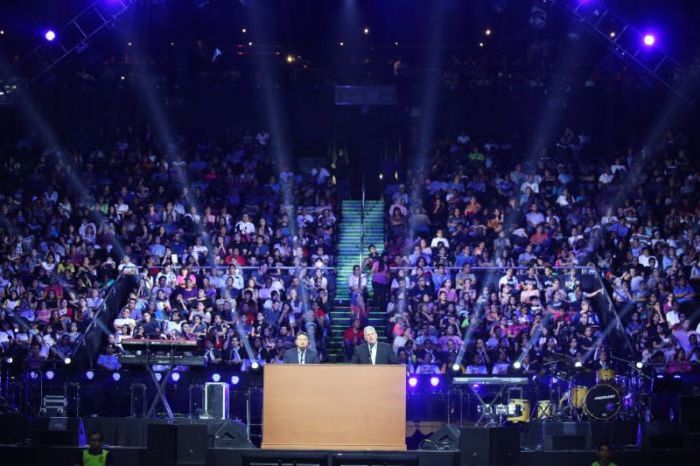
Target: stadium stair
348, 256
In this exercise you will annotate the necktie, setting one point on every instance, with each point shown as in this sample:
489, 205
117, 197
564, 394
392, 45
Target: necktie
371, 353
302, 353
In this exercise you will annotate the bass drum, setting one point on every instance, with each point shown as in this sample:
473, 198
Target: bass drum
602, 402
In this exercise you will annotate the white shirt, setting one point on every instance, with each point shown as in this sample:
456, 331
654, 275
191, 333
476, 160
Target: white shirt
373, 353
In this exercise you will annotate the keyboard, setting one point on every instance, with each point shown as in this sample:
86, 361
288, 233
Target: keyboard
483, 380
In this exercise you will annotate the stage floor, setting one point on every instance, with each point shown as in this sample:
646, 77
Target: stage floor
130, 456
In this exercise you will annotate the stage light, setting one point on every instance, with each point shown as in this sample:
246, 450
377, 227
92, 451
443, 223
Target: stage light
116, 376
455, 367
175, 376
244, 30
250, 44
50, 35
172, 44
2, 32
89, 375
612, 34
517, 365
255, 365
290, 58
365, 31
578, 364
129, 44
412, 381
159, 376
216, 377
396, 44
487, 32
67, 361
9, 360
235, 379
341, 43
649, 40
639, 365
434, 381
50, 375
381, 176
481, 44
122, 77
33, 375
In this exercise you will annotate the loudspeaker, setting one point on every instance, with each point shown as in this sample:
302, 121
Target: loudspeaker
60, 431
445, 438
216, 398
566, 442
161, 441
663, 435
481, 446
191, 444
229, 434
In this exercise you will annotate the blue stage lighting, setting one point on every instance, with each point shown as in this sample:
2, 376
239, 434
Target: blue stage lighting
216, 377
116, 376
175, 376
413, 381
434, 381
50, 35
235, 379
50, 375
89, 375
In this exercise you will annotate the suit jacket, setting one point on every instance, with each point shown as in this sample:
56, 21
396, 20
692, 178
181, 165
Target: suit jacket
385, 354
291, 356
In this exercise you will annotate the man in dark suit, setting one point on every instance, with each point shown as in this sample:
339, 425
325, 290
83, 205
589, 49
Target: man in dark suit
302, 354
373, 352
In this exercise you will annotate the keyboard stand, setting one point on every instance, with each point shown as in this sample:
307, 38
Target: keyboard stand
487, 407
160, 395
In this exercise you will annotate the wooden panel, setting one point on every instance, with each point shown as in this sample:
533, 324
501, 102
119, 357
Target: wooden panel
334, 407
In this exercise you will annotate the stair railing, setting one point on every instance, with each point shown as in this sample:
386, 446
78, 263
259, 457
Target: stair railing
362, 225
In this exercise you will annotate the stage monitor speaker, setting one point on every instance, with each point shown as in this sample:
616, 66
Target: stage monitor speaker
482, 446
60, 431
161, 441
566, 442
446, 438
216, 399
663, 435
191, 444
229, 434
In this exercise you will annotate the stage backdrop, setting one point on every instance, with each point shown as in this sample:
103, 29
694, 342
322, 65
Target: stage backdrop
334, 407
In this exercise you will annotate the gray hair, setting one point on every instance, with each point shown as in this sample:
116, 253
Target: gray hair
369, 328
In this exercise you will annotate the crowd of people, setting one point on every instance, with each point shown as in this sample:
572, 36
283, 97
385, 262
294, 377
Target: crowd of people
230, 246
499, 253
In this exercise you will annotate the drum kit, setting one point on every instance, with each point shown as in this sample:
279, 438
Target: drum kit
569, 394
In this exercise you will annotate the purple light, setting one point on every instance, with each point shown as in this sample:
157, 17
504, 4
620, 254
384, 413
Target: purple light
49, 375
89, 375
34, 375
116, 376
649, 40
412, 381
175, 376
434, 381
159, 376
216, 377
235, 379
49, 35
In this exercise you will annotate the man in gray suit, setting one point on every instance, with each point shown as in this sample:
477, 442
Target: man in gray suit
302, 354
373, 352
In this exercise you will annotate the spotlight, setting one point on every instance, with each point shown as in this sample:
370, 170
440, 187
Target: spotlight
481, 44
341, 43
50, 35
365, 31
413, 381
2, 32
122, 77
639, 365
244, 30
216, 377
9, 360
517, 365
434, 381
235, 379
255, 365
116, 376
396, 44
89, 375
578, 364
612, 34
50, 375
250, 44
67, 361
172, 44
33, 375
455, 367
290, 58
487, 32
159, 376
381, 176
175, 376
649, 40
129, 44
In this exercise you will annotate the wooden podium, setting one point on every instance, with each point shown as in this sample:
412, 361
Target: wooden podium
334, 407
